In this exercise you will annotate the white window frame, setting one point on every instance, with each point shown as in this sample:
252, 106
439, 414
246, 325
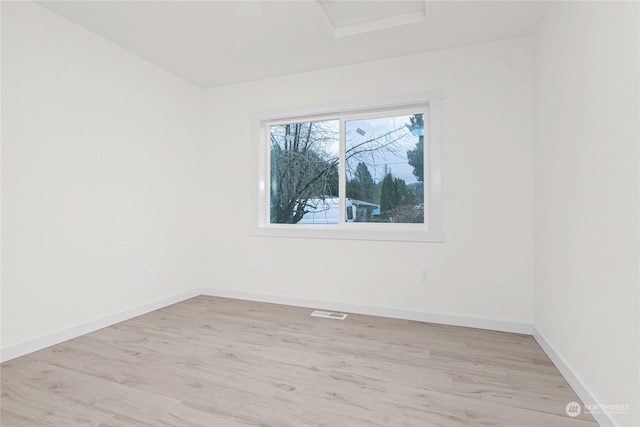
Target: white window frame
429, 231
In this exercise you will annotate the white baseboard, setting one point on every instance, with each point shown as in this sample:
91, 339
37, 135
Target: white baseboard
394, 313
13, 351
587, 398
44, 341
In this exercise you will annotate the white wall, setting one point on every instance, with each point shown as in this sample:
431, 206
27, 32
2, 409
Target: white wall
99, 173
586, 195
484, 269
106, 163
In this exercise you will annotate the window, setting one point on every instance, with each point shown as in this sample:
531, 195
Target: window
356, 171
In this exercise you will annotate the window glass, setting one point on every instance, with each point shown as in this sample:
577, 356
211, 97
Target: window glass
304, 172
385, 168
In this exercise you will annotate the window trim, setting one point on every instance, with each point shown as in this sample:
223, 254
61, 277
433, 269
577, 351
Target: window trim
430, 231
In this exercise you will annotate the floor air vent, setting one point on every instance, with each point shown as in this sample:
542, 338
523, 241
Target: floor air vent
329, 315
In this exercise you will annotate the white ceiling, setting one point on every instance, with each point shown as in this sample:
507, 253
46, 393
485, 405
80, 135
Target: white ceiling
213, 43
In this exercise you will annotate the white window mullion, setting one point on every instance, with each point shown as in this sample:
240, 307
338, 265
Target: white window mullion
342, 168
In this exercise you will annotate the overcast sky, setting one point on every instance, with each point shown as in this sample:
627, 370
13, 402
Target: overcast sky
381, 130
374, 128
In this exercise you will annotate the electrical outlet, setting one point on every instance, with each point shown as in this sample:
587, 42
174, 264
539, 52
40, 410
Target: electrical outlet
262, 264
144, 268
424, 275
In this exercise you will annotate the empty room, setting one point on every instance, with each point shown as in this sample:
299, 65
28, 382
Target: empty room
320, 212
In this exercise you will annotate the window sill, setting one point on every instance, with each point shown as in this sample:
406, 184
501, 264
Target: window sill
400, 234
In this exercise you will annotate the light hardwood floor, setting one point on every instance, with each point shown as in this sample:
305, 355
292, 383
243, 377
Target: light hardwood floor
221, 362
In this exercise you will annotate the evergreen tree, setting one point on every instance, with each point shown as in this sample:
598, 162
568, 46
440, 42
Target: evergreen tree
361, 187
387, 196
395, 196
416, 156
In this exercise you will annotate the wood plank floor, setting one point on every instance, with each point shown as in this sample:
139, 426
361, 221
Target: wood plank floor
221, 362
